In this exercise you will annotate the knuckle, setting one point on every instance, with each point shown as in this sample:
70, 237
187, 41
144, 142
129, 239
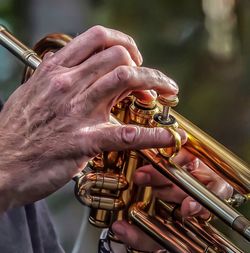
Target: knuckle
129, 134
121, 53
123, 73
61, 82
48, 64
92, 146
158, 75
131, 40
161, 194
228, 191
48, 55
99, 32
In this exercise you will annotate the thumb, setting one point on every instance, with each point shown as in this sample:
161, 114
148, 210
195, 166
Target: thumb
115, 138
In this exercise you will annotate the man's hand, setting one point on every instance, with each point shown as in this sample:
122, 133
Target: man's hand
59, 119
167, 191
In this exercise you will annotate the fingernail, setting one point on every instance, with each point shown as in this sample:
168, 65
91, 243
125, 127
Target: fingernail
196, 163
118, 229
140, 59
48, 54
153, 93
143, 178
193, 165
194, 207
206, 216
133, 64
183, 135
129, 134
173, 84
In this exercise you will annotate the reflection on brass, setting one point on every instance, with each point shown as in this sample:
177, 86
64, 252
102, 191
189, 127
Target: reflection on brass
172, 127
197, 228
100, 218
216, 156
166, 233
139, 113
89, 180
106, 185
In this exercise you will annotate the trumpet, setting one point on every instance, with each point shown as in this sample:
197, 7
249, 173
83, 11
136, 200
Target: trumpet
106, 186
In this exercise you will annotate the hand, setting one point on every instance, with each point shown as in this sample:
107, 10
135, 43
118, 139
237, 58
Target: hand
167, 191
59, 119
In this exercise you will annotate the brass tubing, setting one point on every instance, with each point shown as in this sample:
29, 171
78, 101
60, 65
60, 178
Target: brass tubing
216, 156
199, 192
200, 228
26, 55
176, 174
210, 233
166, 235
194, 242
138, 113
165, 238
100, 218
86, 181
194, 188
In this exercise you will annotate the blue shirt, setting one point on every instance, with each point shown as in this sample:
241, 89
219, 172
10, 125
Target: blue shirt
28, 229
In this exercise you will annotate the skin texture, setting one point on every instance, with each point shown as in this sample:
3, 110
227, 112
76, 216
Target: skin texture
55, 122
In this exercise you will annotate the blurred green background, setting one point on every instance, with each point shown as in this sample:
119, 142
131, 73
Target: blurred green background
203, 45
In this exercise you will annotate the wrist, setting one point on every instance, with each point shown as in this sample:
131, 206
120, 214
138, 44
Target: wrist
11, 173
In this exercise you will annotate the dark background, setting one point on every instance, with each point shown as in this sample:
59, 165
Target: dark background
203, 45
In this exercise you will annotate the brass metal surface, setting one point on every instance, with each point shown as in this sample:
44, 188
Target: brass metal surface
230, 167
199, 228
104, 187
168, 101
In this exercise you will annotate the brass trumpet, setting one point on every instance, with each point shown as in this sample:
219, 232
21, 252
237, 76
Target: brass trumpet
106, 184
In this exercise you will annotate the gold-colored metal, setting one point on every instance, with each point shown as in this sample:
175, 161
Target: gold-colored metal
198, 228
87, 181
139, 114
230, 167
103, 186
167, 233
172, 127
168, 101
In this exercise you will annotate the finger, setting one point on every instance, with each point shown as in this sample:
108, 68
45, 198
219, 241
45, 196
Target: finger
219, 187
118, 83
108, 137
172, 193
190, 207
132, 236
100, 64
204, 174
149, 176
95, 39
145, 96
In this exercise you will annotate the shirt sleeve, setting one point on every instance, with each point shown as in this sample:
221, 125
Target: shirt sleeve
104, 243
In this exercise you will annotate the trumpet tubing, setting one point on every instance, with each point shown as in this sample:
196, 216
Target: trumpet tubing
107, 187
